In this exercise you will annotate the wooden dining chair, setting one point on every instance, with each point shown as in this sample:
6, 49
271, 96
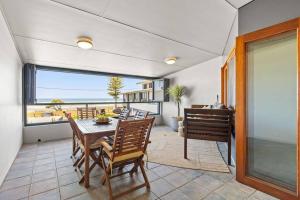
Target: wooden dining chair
76, 139
95, 149
140, 114
86, 112
124, 114
129, 147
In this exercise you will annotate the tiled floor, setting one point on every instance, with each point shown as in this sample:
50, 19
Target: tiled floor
44, 171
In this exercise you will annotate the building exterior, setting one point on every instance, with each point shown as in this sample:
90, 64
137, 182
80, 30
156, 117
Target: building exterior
143, 95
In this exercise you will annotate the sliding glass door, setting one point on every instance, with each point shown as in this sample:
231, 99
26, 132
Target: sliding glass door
267, 110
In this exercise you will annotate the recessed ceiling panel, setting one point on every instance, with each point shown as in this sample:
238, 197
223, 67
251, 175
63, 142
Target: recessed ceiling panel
93, 6
204, 24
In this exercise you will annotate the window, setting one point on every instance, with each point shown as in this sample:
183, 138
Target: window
49, 92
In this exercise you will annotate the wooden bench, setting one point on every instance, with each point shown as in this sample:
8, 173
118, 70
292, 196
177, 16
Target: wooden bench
208, 124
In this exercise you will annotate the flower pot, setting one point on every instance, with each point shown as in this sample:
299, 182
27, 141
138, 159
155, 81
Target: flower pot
174, 123
180, 128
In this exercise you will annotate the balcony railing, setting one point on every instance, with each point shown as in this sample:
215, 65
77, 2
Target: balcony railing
45, 113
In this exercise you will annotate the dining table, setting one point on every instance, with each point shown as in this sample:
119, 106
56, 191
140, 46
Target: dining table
91, 132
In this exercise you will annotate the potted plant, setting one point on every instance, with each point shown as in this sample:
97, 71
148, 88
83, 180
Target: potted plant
176, 92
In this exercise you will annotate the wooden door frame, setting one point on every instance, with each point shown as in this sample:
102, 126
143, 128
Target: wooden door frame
224, 77
224, 84
241, 110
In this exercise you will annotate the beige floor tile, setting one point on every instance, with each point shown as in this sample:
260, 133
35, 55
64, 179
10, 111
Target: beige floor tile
49, 195
151, 165
44, 161
214, 196
261, 196
43, 176
24, 160
20, 166
14, 194
190, 173
14, 183
208, 182
161, 187
84, 196
18, 173
43, 186
234, 191
141, 194
43, 168
68, 179
194, 191
176, 179
44, 156
175, 195
65, 170
64, 163
162, 170
71, 190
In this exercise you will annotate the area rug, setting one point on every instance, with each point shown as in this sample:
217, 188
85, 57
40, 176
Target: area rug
167, 148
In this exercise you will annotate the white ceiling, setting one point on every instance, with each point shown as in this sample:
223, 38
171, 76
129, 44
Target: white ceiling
130, 36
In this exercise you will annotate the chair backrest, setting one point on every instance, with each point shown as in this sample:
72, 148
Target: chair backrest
207, 124
124, 114
132, 136
141, 114
74, 127
86, 112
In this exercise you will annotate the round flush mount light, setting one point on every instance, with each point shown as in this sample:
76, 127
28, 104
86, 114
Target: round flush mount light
170, 60
85, 42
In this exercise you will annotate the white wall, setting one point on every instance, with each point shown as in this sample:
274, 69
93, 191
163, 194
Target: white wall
47, 132
202, 82
10, 101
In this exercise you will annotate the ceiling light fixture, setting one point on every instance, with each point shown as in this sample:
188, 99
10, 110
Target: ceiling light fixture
85, 42
170, 60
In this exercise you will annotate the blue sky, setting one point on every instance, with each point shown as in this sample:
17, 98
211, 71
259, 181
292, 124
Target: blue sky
51, 84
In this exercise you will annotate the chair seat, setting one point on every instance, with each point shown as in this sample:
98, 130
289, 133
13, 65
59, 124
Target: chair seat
96, 145
128, 156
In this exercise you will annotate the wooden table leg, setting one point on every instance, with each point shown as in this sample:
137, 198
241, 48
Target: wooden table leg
73, 145
86, 162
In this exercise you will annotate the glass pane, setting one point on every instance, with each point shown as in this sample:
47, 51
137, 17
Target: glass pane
72, 87
272, 109
152, 108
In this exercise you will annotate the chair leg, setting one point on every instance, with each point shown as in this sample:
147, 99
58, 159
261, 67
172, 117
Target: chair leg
97, 159
73, 145
141, 164
106, 175
134, 168
185, 147
76, 151
78, 160
229, 151
81, 162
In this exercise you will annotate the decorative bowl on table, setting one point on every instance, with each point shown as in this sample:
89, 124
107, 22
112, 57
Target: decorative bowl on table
103, 119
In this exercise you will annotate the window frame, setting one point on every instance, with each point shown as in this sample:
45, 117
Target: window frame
78, 71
